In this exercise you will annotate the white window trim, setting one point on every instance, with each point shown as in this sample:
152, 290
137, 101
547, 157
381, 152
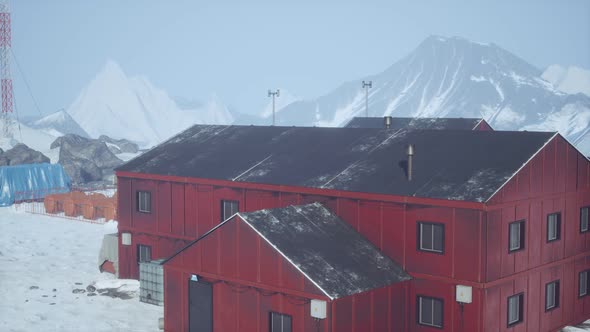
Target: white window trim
431, 237
142, 201
516, 298
420, 318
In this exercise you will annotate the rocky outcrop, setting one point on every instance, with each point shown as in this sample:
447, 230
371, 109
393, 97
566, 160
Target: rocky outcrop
85, 160
21, 154
119, 145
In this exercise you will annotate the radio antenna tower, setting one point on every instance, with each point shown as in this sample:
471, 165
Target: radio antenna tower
6, 79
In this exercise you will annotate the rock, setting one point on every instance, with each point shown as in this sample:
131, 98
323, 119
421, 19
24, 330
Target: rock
44, 295
22, 154
55, 290
34, 287
78, 291
78, 283
52, 303
84, 159
91, 288
91, 294
121, 145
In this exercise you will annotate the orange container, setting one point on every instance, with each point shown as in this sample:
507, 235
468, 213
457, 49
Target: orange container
50, 203
73, 204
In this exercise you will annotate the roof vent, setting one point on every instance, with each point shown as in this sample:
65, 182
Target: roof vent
387, 122
410, 152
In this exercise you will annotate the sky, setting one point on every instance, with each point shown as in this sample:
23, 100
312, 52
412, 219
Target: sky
237, 50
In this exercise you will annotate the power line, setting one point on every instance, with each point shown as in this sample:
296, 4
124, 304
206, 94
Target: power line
26, 83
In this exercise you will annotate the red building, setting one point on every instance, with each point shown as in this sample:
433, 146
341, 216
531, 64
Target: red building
492, 229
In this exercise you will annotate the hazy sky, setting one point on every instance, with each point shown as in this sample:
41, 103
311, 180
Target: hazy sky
239, 49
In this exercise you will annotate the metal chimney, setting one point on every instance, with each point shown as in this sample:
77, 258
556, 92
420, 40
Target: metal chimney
388, 120
410, 152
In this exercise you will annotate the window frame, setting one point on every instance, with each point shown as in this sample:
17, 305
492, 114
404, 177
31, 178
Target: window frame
587, 273
282, 316
149, 249
419, 237
555, 295
558, 226
223, 202
587, 208
522, 233
419, 311
138, 205
520, 297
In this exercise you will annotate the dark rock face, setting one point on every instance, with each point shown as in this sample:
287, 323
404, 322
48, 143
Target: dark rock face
21, 154
85, 160
119, 145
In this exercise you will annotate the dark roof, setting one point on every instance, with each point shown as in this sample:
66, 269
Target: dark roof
448, 164
330, 253
415, 123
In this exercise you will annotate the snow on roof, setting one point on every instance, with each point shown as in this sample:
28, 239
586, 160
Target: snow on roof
416, 123
328, 251
448, 164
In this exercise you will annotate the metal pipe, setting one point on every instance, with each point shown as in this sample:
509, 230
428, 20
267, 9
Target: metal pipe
388, 120
410, 152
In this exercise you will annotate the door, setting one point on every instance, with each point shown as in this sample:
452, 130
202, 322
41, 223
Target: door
200, 306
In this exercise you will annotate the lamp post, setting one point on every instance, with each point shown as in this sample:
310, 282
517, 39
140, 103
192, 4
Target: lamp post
367, 85
274, 94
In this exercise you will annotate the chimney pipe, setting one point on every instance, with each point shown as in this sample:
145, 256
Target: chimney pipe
410, 152
387, 122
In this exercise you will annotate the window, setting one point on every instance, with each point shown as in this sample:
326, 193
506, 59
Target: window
144, 253
280, 322
515, 309
583, 283
144, 201
516, 236
228, 209
430, 311
584, 219
553, 227
431, 237
552, 295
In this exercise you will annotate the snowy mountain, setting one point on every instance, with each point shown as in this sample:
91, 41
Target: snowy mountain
454, 77
570, 80
36, 139
59, 124
132, 108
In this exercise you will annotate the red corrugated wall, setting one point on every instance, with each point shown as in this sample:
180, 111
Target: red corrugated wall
185, 211
234, 257
556, 180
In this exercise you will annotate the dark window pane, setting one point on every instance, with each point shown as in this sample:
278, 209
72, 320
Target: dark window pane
515, 236
144, 253
228, 209
552, 227
438, 313
438, 237
584, 219
426, 237
286, 323
426, 310
550, 296
583, 283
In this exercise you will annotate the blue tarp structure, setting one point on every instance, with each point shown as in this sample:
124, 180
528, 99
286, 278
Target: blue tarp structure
31, 181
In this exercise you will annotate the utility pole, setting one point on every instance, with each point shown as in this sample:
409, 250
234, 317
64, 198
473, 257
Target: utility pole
367, 85
274, 94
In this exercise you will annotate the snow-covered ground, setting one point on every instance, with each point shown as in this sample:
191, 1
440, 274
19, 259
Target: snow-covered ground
46, 265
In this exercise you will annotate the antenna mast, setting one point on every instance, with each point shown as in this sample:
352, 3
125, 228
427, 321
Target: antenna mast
367, 85
6, 79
